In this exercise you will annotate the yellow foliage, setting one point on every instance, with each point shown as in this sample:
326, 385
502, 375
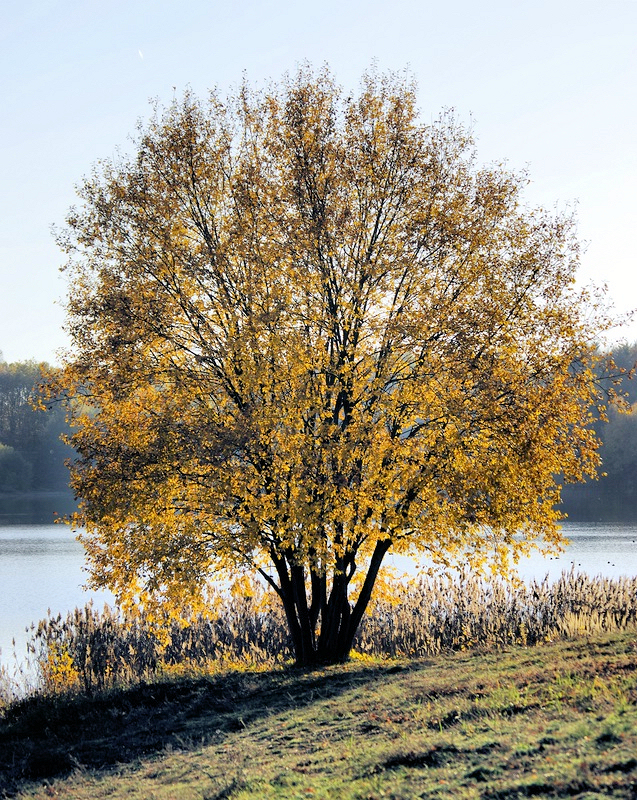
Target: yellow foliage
308, 329
59, 674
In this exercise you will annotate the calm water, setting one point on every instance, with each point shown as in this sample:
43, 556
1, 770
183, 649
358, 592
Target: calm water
42, 567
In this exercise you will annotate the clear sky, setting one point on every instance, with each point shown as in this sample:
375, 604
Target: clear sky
549, 84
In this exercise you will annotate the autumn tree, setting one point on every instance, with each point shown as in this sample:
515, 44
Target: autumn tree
309, 329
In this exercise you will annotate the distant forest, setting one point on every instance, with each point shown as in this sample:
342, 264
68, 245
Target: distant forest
613, 497
32, 454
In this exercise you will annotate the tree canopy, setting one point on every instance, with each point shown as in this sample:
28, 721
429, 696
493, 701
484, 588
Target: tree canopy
308, 329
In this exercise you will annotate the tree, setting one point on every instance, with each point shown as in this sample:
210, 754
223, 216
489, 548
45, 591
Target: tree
307, 330
612, 498
624, 357
20, 425
31, 453
15, 471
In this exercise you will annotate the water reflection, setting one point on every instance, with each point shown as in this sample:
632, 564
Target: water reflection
36, 508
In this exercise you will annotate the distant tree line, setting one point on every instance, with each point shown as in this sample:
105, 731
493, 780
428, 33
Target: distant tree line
32, 454
614, 495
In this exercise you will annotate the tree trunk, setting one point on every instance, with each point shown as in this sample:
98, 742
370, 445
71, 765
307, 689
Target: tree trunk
339, 621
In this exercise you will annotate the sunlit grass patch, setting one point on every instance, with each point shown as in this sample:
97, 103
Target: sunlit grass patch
465, 724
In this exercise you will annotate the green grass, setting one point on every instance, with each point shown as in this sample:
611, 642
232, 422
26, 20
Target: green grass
557, 720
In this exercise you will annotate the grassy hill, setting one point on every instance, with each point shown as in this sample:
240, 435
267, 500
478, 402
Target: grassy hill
558, 720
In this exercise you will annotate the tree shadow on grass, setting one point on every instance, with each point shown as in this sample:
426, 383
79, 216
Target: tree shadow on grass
48, 737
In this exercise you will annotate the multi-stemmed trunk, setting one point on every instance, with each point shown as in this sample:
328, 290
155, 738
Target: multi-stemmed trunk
323, 629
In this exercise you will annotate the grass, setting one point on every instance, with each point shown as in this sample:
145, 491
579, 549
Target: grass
555, 720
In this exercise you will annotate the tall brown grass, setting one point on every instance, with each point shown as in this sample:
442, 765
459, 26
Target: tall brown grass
460, 612
92, 650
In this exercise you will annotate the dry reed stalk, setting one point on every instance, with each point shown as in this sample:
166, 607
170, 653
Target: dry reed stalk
91, 650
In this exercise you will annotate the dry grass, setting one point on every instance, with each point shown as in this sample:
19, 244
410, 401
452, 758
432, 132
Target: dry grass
90, 650
434, 615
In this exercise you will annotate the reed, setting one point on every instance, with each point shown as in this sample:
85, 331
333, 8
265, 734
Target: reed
92, 650
434, 614
9, 689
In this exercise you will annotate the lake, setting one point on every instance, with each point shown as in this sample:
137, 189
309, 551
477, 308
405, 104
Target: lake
42, 567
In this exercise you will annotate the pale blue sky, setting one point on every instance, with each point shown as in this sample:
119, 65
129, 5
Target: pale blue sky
549, 85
